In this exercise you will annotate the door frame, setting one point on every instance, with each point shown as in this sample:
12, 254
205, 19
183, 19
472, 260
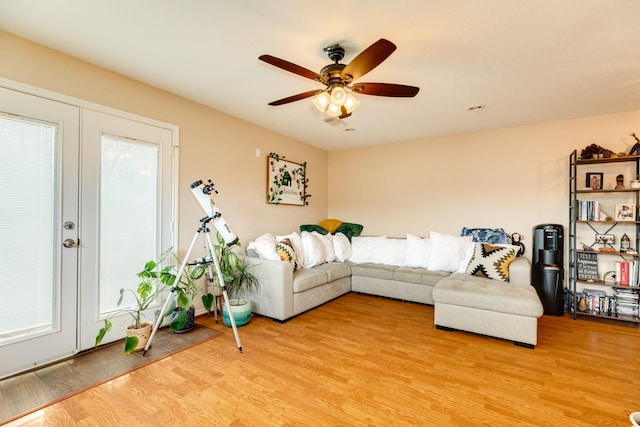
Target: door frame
83, 105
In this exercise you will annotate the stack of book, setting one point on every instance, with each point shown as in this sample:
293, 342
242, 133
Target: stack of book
588, 210
628, 301
627, 273
598, 301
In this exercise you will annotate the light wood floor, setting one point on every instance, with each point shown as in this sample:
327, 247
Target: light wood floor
368, 361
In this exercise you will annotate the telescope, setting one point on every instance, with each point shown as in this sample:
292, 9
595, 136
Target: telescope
202, 192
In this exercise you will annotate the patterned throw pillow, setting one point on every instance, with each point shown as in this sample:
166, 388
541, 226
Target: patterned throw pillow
486, 235
491, 261
285, 251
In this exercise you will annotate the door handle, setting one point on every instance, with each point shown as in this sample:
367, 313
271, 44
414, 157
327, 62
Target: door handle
69, 243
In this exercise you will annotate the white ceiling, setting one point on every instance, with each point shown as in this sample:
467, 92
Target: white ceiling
528, 61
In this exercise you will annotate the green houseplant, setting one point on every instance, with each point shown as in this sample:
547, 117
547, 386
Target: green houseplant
238, 280
154, 279
181, 307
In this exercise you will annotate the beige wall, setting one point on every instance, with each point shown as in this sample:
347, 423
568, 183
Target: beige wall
515, 178
212, 144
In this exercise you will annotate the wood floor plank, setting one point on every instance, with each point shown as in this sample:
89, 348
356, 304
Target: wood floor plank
368, 361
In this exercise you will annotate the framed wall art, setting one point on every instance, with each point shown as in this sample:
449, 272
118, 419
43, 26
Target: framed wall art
286, 181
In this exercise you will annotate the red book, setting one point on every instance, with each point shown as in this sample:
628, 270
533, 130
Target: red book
623, 280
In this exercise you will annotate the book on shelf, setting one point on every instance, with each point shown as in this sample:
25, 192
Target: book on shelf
627, 273
588, 210
628, 301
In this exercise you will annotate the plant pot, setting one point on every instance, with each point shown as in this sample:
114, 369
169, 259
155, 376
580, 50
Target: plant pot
191, 320
241, 310
142, 334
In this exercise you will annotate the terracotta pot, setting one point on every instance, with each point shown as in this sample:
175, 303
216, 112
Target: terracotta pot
142, 334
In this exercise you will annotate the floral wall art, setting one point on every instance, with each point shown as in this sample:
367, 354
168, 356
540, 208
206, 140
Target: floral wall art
286, 181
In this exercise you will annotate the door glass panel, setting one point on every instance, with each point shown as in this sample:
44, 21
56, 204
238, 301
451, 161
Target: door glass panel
129, 216
29, 276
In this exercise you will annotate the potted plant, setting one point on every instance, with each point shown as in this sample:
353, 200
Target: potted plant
154, 280
181, 308
238, 280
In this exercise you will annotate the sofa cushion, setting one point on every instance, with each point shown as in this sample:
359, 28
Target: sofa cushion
485, 294
491, 261
379, 271
335, 270
418, 275
308, 278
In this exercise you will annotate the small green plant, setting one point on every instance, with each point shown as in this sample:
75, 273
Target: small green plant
186, 289
154, 280
235, 274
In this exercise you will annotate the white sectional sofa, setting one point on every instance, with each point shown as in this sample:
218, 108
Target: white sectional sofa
461, 300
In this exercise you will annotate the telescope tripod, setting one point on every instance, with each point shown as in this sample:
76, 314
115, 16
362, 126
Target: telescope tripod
204, 230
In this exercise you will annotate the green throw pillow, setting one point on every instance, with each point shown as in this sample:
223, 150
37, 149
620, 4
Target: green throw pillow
349, 229
313, 227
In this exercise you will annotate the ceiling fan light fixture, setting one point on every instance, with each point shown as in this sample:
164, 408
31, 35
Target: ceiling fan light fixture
321, 101
351, 103
334, 110
338, 95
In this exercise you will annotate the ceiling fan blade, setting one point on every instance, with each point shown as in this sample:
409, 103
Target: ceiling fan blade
291, 67
385, 89
369, 59
297, 97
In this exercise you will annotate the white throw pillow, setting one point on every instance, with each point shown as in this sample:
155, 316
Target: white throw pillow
362, 247
389, 251
296, 241
450, 253
265, 247
313, 250
341, 247
417, 251
327, 245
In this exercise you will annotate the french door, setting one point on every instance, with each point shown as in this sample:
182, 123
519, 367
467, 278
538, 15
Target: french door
86, 198
39, 146
126, 214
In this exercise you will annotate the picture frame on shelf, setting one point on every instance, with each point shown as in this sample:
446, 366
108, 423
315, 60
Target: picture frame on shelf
625, 212
594, 180
605, 239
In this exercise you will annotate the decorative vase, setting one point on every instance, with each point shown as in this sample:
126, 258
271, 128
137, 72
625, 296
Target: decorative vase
191, 320
142, 334
241, 311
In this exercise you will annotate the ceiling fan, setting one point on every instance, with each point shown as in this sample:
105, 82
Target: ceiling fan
334, 99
